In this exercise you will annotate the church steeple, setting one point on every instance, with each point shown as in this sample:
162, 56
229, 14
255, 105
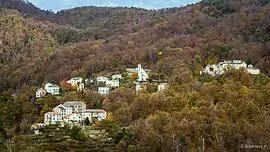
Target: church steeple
139, 66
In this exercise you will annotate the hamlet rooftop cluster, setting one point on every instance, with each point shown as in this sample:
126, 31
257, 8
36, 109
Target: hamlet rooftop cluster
75, 112
103, 84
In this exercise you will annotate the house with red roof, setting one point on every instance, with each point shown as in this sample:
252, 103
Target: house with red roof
73, 118
53, 118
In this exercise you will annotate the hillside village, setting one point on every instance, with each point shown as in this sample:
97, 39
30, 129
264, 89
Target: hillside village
126, 79
102, 84
75, 112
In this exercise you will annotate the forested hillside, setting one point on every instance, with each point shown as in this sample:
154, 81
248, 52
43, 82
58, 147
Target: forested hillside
37, 46
133, 35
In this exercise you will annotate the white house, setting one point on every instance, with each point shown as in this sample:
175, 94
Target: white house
77, 106
235, 64
87, 114
99, 114
140, 87
102, 79
81, 87
163, 86
63, 110
221, 67
212, 69
104, 91
117, 76
76, 80
253, 70
52, 88
113, 83
37, 126
142, 74
40, 93
73, 118
52, 118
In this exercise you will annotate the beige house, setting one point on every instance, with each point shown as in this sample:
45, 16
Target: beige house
73, 118
75, 80
40, 93
76, 106
52, 118
52, 88
163, 86
104, 91
63, 110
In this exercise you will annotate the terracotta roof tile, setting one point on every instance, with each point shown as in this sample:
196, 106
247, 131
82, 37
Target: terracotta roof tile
54, 113
68, 115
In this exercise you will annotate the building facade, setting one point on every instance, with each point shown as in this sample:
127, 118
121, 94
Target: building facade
52, 118
81, 87
73, 118
253, 70
63, 110
52, 88
40, 93
163, 86
142, 74
104, 91
87, 115
117, 76
101, 79
98, 114
113, 83
76, 106
76, 80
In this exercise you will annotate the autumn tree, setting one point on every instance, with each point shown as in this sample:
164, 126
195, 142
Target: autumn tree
134, 76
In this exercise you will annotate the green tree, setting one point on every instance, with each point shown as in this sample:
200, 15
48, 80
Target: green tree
77, 134
97, 104
44, 110
3, 86
24, 127
3, 132
75, 130
249, 60
87, 121
221, 50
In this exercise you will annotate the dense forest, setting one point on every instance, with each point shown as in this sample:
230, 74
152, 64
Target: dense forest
38, 46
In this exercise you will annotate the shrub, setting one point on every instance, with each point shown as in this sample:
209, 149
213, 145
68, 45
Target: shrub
77, 134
